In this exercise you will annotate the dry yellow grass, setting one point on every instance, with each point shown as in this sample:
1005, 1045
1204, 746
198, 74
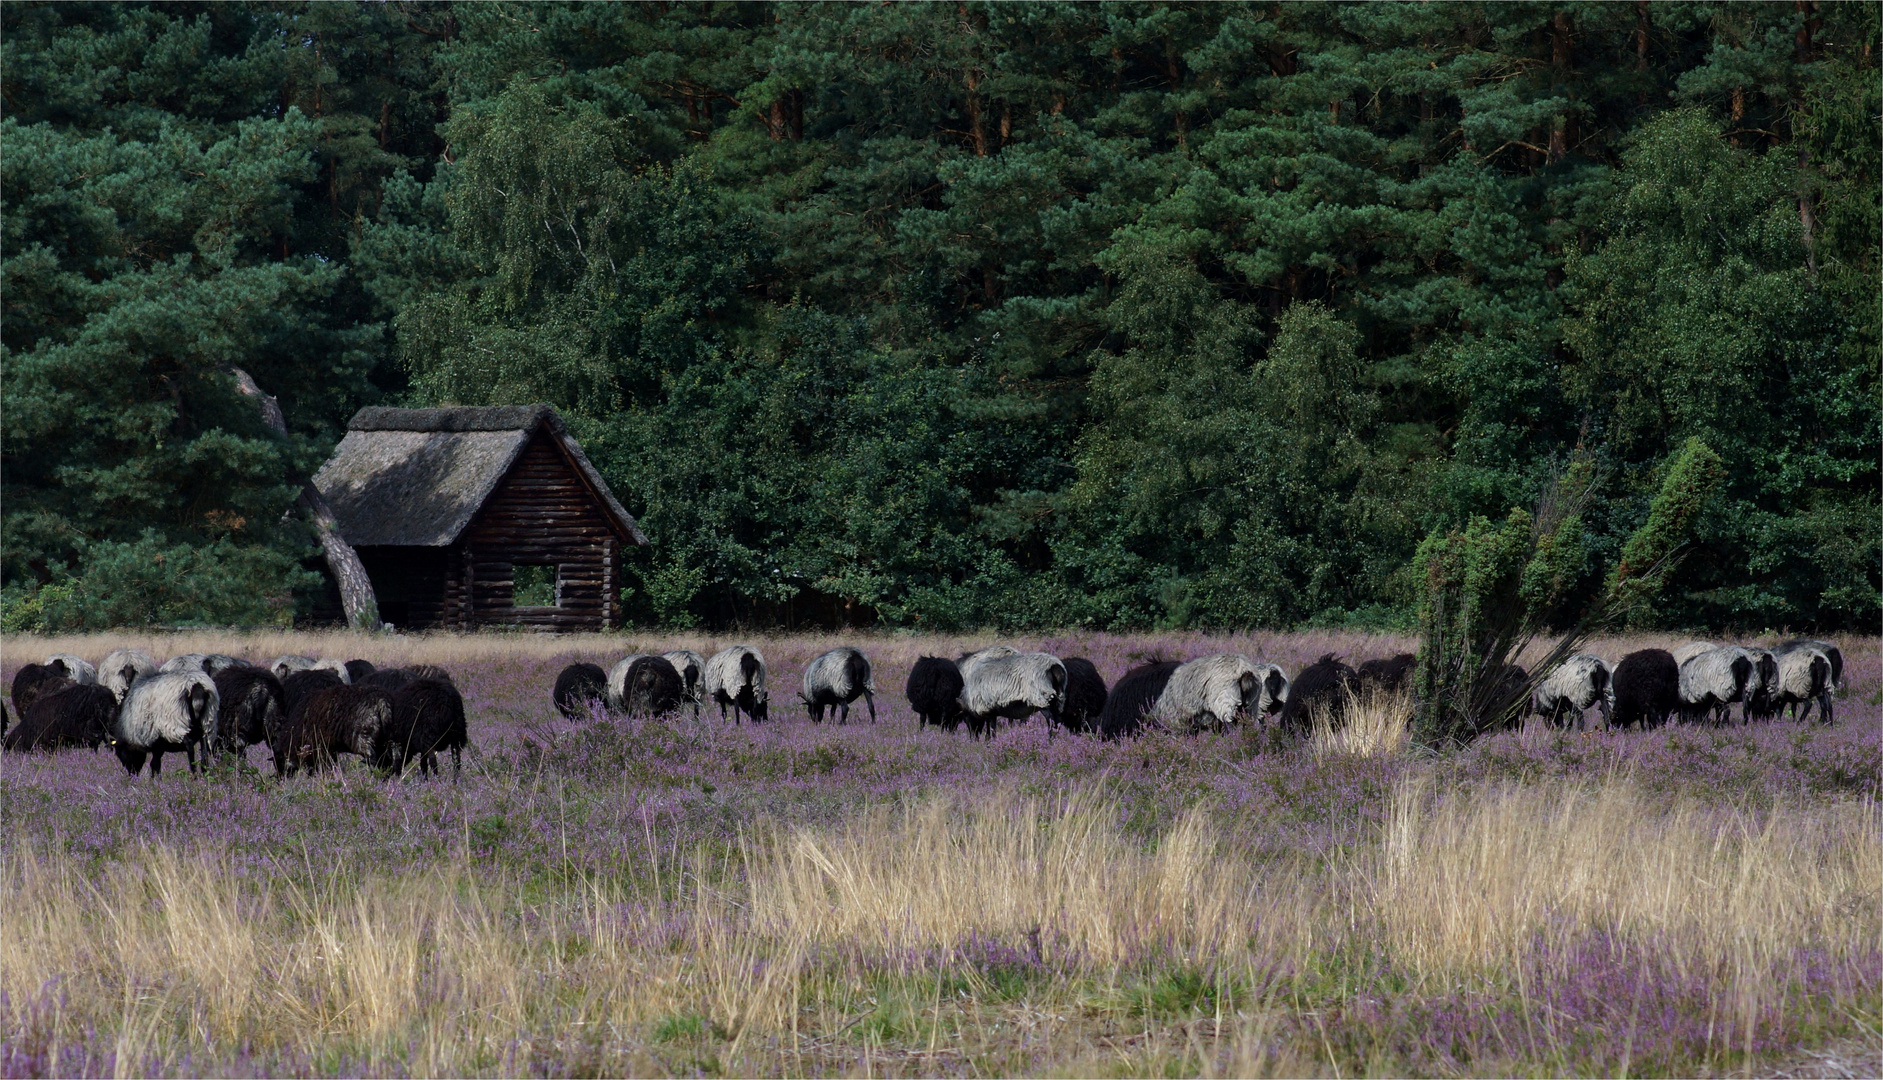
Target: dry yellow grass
182, 952
1374, 722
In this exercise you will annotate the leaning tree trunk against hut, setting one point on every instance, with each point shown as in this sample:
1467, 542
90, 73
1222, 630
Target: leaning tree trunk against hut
356, 589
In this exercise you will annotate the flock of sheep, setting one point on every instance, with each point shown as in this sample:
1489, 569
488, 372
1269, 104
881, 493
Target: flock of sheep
310, 710
1696, 682
306, 710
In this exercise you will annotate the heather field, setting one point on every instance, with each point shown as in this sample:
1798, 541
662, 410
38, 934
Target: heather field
681, 897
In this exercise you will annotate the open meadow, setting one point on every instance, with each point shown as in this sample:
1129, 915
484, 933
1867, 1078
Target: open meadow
609, 897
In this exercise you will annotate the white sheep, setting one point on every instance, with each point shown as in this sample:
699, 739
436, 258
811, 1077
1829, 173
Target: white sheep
122, 667
71, 667
1711, 679
735, 676
1014, 685
1804, 676
968, 662
1215, 690
1580, 682
834, 680
164, 712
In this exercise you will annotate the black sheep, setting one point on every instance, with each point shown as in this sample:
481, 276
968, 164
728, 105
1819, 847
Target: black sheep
1325, 683
577, 690
1085, 695
297, 685
429, 671
251, 709
359, 669
653, 687
386, 678
1135, 694
1647, 688
427, 716
33, 682
1509, 697
339, 719
1389, 675
74, 716
934, 692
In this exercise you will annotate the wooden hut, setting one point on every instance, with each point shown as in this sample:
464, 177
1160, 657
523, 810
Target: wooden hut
469, 517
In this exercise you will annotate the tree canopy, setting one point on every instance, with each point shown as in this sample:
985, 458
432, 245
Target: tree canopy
945, 315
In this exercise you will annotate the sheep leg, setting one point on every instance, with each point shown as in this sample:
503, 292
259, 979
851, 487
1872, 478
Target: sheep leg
870, 700
1824, 707
189, 753
156, 763
843, 712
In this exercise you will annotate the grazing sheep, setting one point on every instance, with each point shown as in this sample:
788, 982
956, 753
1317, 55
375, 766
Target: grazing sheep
1133, 697
735, 676
1213, 690
692, 669
834, 680
386, 678
1326, 683
934, 692
358, 669
164, 712
1578, 683
1831, 652
430, 671
1804, 676
1014, 686
122, 667
71, 667
1761, 688
646, 686
252, 710
300, 684
577, 689
1085, 695
967, 662
284, 666
338, 719
427, 716
1647, 688
1711, 679
1389, 675
33, 682
74, 716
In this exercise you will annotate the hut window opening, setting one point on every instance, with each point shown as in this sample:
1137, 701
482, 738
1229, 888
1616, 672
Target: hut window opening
537, 585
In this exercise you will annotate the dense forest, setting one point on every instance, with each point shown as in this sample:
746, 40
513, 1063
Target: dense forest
956, 314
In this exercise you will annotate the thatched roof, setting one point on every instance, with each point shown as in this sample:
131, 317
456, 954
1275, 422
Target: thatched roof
416, 477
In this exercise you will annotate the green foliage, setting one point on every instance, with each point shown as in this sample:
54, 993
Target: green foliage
149, 582
979, 315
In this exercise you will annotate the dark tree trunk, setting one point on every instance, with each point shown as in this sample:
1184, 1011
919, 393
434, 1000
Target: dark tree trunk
356, 589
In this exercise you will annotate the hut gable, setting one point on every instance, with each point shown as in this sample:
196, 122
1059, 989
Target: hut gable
417, 477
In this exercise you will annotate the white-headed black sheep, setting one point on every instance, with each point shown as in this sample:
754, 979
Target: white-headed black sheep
78, 669
1804, 676
73, 716
122, 667
834, 680
297, 685
649, 686
1326, 684
427, 716
1085, 695
692, 669
1390, 674
1647, 688
1133, 697
1580, 682
735, 677
1014, 687
33, 682
162, 713
252, 709
934, 692
1212, 691
336, 720
578, 689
